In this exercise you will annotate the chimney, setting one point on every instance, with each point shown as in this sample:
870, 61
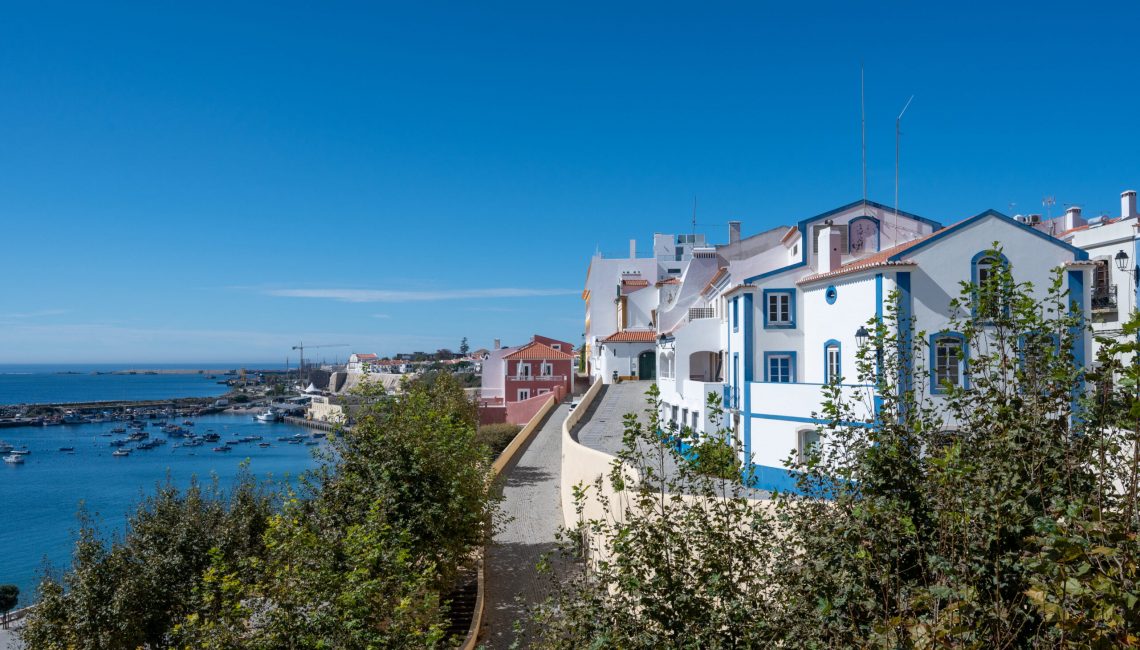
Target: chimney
633, 249
830, 257
733, 232
1128, 204
1073, 218
498, 344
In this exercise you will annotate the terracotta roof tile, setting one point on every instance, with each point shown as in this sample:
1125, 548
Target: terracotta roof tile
632, 336
882, 258
721, 272
536, 350
669, 281
635, 283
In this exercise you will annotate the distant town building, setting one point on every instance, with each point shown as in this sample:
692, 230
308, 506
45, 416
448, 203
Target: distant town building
359, 363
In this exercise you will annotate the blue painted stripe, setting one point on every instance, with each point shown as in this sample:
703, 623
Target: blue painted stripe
906, 362
1078, 332
945, 232
805, 420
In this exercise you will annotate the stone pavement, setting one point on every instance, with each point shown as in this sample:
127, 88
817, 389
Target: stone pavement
603, 425
533, 505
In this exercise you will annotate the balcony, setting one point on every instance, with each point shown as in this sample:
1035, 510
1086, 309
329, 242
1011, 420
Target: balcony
731, 397
537, 378
1104, 297
697, 313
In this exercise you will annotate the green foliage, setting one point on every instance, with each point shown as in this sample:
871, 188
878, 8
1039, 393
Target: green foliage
129, 592
496, 437
464, 348
1001, 513
9, 598
362, 555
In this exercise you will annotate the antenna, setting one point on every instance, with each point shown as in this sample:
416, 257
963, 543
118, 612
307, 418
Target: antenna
694, 216
898, 136
1049, 202
863, 129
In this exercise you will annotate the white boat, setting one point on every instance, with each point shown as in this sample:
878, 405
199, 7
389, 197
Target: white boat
121, 452
20, 452
269, 415
14, 459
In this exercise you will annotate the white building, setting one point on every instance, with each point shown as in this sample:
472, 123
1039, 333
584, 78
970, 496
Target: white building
360, 362
764, 322
1113, 244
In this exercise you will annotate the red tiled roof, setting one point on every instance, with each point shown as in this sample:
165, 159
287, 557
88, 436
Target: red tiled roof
788, 234
721, 272
635, 283
669, 281
632, 336
536, 350
882, 258
366, 357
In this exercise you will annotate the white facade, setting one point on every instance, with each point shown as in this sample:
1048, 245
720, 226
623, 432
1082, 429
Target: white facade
1114, 245
764, 322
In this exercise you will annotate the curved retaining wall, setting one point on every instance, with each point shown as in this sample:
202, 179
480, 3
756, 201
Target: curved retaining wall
505, 458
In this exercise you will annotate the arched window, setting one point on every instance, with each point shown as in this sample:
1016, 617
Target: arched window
806, 441
986, 275
947, 362
832, 362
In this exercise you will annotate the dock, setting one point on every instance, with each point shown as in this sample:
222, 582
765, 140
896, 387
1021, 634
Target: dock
320, 425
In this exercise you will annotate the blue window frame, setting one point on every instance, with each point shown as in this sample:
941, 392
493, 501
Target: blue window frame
1035, 346
779, 309
780, 367
982, 267
832, 361
948, 359
736, 314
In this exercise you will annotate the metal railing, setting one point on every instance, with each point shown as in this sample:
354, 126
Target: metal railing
539, 378
696, 313
1104, 297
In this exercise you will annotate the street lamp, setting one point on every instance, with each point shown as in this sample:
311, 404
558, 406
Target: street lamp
861, 336
1121, 260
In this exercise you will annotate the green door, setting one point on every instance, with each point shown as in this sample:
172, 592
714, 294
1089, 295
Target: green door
647, 365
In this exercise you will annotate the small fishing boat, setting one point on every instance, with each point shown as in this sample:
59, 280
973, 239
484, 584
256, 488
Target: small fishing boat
67, 449
121, 452
14, 460
119, 430
222, 448
21, 452
263, 445
187, 423
270, 415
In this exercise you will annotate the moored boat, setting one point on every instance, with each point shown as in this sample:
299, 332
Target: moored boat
14, 459
121, 452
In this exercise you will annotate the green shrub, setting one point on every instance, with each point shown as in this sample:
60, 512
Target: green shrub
497, 436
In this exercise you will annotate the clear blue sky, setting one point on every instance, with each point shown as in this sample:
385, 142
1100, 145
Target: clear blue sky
208, 182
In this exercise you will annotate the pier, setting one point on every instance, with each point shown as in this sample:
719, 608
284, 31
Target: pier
320, 425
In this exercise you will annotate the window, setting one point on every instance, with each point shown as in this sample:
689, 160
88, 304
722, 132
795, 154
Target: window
986, 277
779, 308
543, 391
524, 393
556, 346
673, 271
1035, 349
736, 314
547, 369
831, 294
831, 363
815, 230
1103, 292
684, 416
808, 441
779, 367
674, 418
948, 362
524, 370
696, 420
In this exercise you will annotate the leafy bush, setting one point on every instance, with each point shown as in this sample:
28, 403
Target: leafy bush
496, 437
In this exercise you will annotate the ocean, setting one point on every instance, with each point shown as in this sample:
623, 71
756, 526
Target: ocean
39, 499
38, 384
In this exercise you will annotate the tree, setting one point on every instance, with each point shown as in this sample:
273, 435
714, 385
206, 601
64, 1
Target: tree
1002, 512
463, 347
9, 598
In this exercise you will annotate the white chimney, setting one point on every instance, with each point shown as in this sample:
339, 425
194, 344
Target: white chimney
733, 232
1128, 204
830, 257
633, 249
1073, 218
498, 344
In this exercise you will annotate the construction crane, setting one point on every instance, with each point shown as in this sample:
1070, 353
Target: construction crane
301, 347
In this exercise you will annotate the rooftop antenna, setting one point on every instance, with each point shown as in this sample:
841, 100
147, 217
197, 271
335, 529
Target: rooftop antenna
694, 217
898, 136
1048, 202
863, 129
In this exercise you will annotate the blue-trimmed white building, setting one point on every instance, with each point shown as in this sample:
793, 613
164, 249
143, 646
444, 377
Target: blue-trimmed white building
767, 320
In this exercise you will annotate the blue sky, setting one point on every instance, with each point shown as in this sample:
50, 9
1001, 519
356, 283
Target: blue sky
202, 181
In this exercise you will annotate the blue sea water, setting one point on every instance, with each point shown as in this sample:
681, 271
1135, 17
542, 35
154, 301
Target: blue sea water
38, 384
39, 499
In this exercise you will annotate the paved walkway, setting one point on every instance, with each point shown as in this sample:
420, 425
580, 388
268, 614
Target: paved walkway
8, 639
533, 505
603, 426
